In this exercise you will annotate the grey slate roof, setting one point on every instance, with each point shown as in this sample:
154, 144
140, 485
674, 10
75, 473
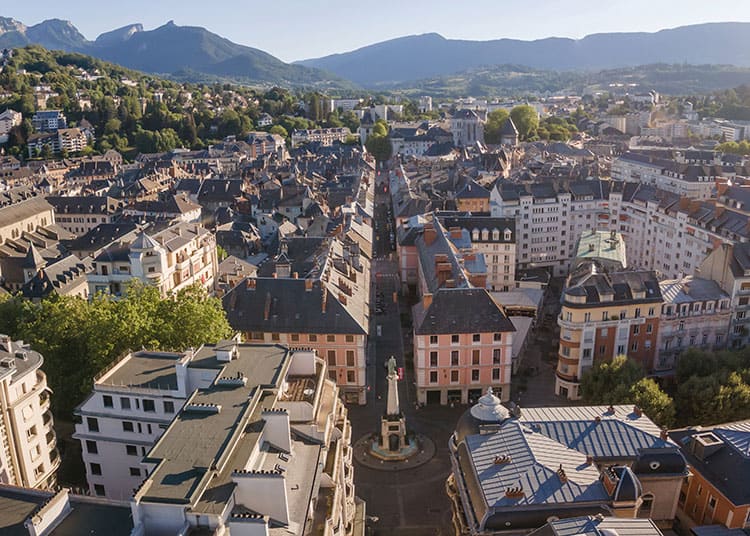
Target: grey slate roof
461, 310
620, 434
597, 525
729, 467
691, 289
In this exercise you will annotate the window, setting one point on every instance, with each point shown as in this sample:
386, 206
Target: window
131, 450
454, 358
433, 339
312, 337
497, 337
107, 401
586, 353
96, 469
124, 403
168, 406
497, 356
350, 378
294, 337
433, 359
454, 376
620, 349
149, 406
331, 338
331, 358
602, 349
275, 337
91, 447
495, 374
476, 337
127, 426
350, 358
637, 312
350, 338
634, 346
454, 339
636, 330
433, 376
650, 311
475, 375
93, 424
623, 315
134, 471
649, 328
99, 490
256, 335
475, 357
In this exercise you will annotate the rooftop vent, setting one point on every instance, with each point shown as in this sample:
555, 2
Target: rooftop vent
7, 362
202, 408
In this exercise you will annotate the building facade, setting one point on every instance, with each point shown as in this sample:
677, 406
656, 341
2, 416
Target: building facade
28, 444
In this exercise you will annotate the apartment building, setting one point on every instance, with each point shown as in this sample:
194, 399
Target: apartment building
80, 214
716, 492
695, 314
72, 140
693, 180
494, 238
132, 403
605, 315
513, 470
314, 294
261, 446
472, 198
8, 119
182, 255
324, 136
729, 266
463, 340
49, 120
28, 444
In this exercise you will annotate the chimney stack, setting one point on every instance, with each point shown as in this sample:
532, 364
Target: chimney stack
308, 285
429, 234
426, 300
250, 283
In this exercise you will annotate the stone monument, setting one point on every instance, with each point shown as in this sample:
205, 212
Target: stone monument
393, 424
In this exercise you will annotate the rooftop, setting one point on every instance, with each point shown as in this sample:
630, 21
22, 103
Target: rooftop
602, 246
144, 369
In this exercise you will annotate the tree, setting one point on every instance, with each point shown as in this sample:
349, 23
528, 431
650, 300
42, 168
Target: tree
495, 122
610, 383
526, 120
379, 146
281, 131
654, 402
78, 338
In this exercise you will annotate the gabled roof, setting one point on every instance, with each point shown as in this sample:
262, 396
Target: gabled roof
461, 310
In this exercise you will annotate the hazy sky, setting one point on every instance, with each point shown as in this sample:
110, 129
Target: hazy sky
299, 29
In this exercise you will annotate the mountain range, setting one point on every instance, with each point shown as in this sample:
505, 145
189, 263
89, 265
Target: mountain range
168, 50
429, 55
195, 54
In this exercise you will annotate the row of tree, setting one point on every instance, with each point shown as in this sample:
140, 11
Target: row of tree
710, 388
78, 338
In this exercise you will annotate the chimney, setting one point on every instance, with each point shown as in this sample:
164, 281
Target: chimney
250, 284
455, 232
295, 275
267, 307
589, 460
664, 435
308, 285
429, 234
426, 300
323, 301
6, 343
637, 411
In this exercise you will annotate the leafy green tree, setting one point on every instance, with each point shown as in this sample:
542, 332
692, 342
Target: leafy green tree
281, 131
526, 120
378, 143
655, 403
610, 382
495, 122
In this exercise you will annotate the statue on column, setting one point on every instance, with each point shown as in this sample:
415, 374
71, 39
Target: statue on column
392, 408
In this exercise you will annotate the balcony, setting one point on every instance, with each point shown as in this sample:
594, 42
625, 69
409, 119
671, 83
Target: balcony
51, 439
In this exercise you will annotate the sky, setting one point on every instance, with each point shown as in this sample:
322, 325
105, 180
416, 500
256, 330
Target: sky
299, 29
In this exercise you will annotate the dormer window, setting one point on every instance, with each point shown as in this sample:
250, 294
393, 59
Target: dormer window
495, 235
485, 234
507, 235
475, 235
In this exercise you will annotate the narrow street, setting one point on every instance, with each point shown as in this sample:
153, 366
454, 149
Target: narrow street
405, 502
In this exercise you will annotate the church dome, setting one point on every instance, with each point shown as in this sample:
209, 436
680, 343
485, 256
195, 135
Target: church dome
488, 410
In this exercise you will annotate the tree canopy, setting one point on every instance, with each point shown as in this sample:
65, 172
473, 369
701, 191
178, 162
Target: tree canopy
526, 120
494, 125
378, 143
78, 338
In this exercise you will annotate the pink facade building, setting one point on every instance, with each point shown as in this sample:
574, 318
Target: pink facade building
462, 337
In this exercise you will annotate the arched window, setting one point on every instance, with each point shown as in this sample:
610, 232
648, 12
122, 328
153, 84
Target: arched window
647, 504
475, 235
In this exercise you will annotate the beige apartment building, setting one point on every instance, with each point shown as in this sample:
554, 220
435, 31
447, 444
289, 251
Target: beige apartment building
28, 453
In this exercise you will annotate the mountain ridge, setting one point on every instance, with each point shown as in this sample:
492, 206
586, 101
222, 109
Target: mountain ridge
167, 49
428, 55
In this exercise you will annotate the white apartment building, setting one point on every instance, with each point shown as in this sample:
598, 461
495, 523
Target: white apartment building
695, 314
324, 136
28, 453
173, 259
132, 403
495, 239
261, 446
689, 180
8, 120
